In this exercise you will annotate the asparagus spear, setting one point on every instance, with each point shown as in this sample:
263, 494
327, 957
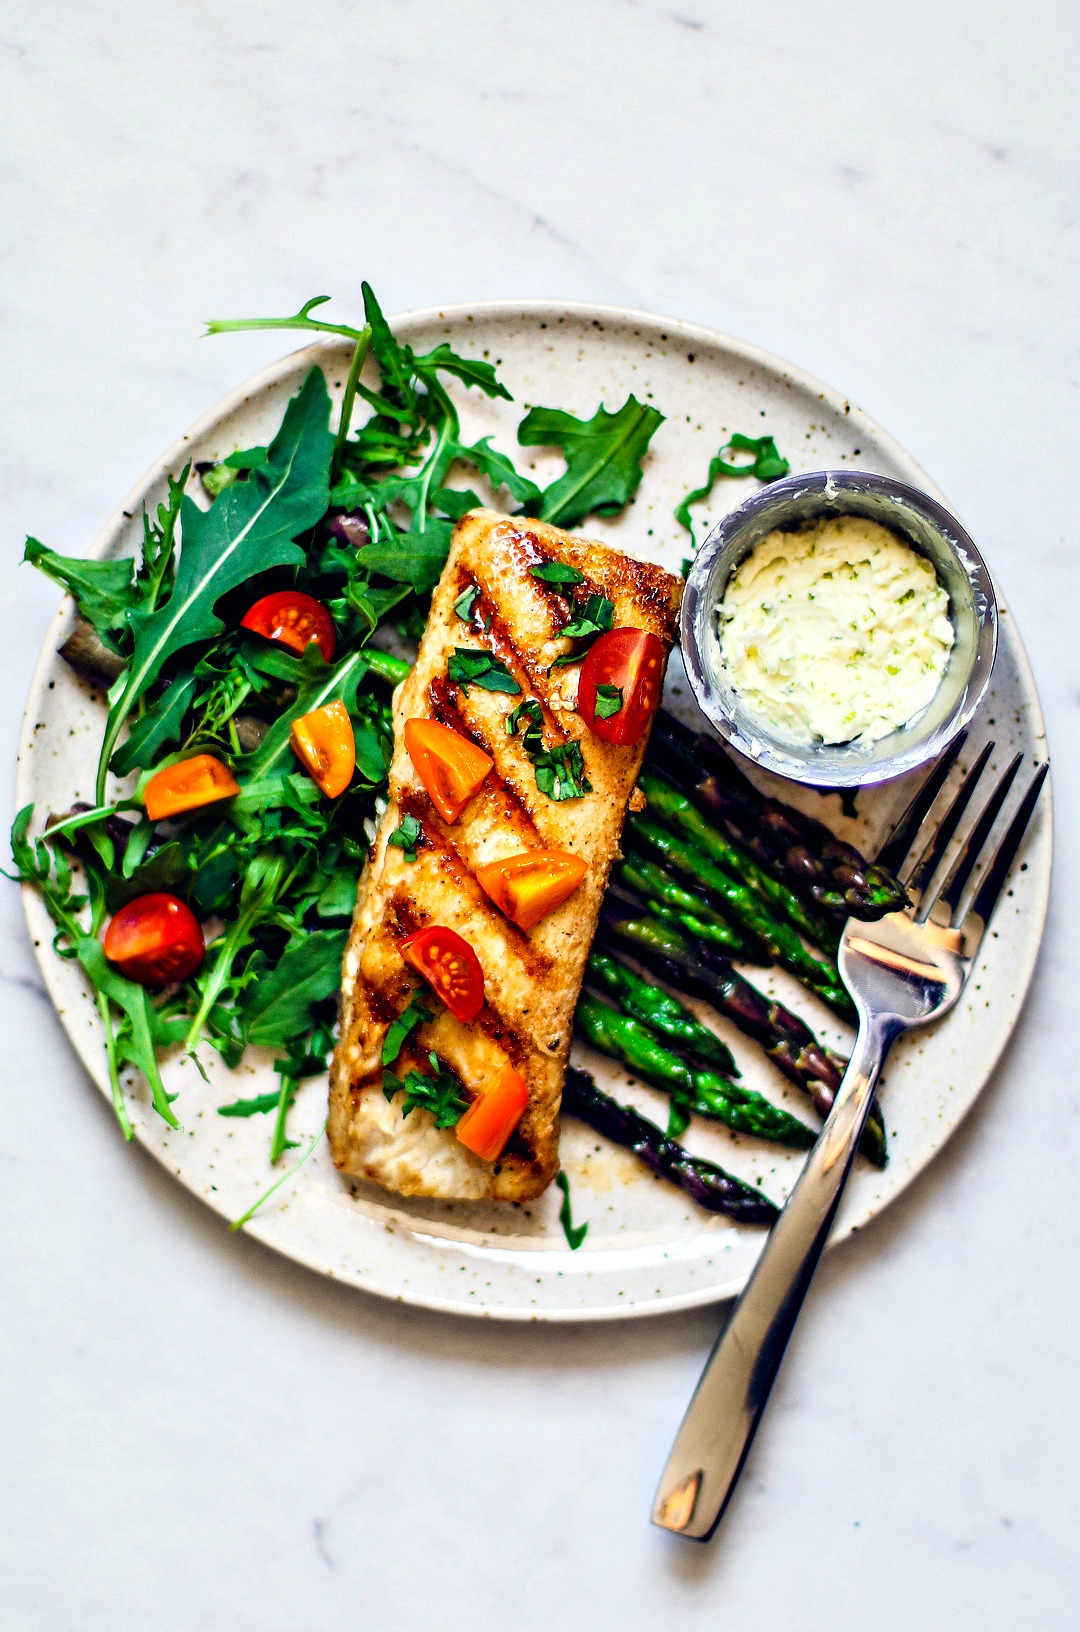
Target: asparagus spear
666, 899
673, 807
786, 1039
747, 907
623, 1038
792, 846
656, 1008
703, 1181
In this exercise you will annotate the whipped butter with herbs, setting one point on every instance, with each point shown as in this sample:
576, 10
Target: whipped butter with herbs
836, 631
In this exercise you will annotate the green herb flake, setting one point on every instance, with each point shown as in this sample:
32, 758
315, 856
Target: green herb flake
560, 772
440, 1093
609, 701
407, 836
466, 600
558, 572
413, 1015
574, 1233
468, 667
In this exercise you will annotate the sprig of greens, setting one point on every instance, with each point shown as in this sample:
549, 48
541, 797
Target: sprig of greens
766, 462
440, 1093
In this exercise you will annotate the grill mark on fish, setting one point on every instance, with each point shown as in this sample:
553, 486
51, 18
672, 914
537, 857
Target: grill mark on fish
532, 677
442, 700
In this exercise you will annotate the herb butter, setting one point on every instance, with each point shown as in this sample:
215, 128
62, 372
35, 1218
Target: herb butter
834, 632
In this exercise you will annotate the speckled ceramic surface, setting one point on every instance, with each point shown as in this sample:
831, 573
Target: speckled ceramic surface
646, 1249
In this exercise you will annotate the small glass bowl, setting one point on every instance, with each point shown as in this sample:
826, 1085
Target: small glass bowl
929, 529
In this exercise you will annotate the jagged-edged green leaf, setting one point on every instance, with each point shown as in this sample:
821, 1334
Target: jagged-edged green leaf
105, 590
157, 729
278, 1008
603, 457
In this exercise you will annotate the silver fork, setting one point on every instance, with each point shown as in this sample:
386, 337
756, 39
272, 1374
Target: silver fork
903, 971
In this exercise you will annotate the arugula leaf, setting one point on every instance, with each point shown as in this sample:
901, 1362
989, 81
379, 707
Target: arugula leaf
497, 468
338, 898
159, 726
279, 1006
609, 701
248, 529
395, 364
574, 1233
406, 836
134, 1001
560, 772
413, 1015
470, 370
469, 667
603, 458
251, 1107
455, 501
414, 557
464, 604
105, 590
557, 572
767, 464
441, 1093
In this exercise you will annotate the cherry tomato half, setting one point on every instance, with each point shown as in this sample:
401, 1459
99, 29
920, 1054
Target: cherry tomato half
325, 744
187, 785
629, 661
528, 886
450, 967
448, 764
155, 940
294, 620
494, 1114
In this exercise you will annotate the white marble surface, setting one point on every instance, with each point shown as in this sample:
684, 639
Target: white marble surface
196, 1434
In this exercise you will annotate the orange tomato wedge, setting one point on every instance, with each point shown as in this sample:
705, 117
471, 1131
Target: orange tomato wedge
325, 744
188, 784
494, 1114
528, 886
448, 764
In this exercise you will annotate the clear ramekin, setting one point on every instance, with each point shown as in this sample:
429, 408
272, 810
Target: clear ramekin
929, 529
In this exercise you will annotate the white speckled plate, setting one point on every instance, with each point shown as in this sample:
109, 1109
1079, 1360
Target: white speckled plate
647, 1249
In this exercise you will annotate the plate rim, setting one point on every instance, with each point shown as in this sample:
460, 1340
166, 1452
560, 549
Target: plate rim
531, 308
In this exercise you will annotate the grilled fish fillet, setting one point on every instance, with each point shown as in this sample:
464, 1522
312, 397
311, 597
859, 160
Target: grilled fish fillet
531, 979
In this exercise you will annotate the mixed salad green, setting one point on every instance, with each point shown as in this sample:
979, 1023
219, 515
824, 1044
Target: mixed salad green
357, 515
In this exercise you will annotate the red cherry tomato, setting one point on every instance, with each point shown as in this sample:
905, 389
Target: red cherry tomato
294, 620
450, 967
626, 661
155, 940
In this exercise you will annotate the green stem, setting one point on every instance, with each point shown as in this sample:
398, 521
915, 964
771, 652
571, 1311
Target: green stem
363, 346
119, 1107
278, 1141
238, 1223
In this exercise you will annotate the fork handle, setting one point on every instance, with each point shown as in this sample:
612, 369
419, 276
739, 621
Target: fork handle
722, 1418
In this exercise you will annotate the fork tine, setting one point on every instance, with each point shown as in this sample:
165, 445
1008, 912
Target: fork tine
952, 891
986, 897
895, 848
940, 839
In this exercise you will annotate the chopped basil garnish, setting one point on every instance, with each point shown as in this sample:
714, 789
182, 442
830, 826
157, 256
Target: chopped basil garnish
594, 619
557, 572
574, 1233
478, 668
441, 1093
560, 772
609, 701
414, 1015
407, 836
464, 604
